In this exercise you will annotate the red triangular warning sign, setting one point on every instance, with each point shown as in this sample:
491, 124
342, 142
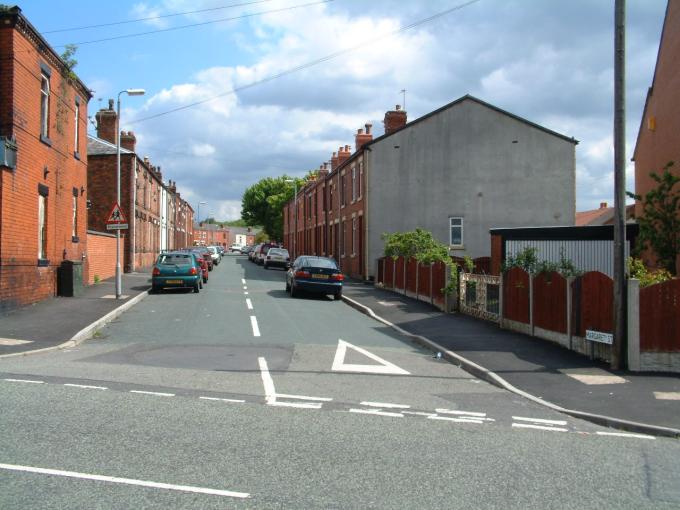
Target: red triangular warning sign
116, 216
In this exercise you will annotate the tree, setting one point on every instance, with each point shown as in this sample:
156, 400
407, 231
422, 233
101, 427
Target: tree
262, 203
660, 219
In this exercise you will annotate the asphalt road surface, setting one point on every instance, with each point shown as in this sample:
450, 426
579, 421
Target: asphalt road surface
243, 397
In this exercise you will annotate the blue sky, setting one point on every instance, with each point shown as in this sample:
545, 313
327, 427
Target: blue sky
549, 61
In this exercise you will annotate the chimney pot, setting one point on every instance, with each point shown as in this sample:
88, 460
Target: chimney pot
360, 131
397, 108
368, 128
603, 205
111, 104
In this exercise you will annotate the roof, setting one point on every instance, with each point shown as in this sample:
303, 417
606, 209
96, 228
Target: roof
579, 233
468, 97
243, 230
98, 147
601, 216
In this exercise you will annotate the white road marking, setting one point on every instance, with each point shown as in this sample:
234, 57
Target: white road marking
157, 393
539, 420
253, 323
466, 413
86, 386
236, 401
667, 395
245, 293
249, 304
271, 396
126, 481
456, 420
14, 341
25, 380
385, 405
388, 303
243, 281
245, 287
385, 366
377, 412
624, 434
538, 427
419, 413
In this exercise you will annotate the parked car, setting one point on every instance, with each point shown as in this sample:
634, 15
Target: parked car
178, 270
319, 275
277, 257
236, 248
252, 256
214, 254
207, 256
246, 250
262, 252
202, 262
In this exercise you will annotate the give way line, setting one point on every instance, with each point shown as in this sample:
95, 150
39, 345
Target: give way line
125, 481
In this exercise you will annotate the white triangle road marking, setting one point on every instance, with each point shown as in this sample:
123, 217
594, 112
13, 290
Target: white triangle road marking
385, 367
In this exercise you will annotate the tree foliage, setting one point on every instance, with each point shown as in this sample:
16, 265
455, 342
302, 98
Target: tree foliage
527, 259
262, 203
660, 219
422, 246
638, 270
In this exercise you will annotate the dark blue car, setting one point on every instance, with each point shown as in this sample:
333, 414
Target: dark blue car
319, 275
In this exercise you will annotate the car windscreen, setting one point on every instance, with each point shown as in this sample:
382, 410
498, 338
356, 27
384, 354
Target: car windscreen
278, 251
319, 262
179, 259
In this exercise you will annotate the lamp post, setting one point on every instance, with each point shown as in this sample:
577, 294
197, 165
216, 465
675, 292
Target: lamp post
129, 92
294, 181
198, 213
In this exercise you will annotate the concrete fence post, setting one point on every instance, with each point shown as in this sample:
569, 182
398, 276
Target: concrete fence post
634, 325
531, 303
500, 300
570, 280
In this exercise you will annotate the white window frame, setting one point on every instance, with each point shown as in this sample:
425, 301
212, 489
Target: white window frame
44, 105
74, 230
354, 236
354, 184
361, 176
77, 127
462, 231
42, 227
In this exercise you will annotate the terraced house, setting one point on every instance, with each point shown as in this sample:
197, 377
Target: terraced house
43, 164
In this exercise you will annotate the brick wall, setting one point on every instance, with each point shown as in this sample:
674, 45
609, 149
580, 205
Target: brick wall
101, 256
54, 166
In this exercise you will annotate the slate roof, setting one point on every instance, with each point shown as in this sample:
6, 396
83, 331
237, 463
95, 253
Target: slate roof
98, 147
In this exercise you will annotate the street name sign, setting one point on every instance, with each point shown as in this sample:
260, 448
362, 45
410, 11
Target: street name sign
598, 336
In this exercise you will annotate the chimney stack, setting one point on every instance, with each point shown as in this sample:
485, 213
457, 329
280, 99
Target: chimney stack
343, 154
128, 140
394, 120
334, 161
106, 123
362, 138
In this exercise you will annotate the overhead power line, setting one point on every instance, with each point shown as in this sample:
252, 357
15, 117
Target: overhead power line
203, 23
151, 18
306, 65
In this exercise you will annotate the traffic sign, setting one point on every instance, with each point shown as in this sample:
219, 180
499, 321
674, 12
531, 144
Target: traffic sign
117, 226
116, 217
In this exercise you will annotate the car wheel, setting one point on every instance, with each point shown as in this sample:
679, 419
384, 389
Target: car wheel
153, 290
293, 292
196, 289
287, 286
205, 279
200, 283
338, 295
265, 266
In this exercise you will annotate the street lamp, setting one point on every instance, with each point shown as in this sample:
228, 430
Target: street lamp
129, 92
294, 181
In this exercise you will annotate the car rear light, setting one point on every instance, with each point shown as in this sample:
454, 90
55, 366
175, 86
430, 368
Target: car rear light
156, 271
338, 277
192, 270
268, 257
302, 274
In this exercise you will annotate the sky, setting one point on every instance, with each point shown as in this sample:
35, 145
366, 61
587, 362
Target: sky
281, 84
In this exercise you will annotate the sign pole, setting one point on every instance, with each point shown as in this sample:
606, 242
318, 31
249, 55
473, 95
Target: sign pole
119, 283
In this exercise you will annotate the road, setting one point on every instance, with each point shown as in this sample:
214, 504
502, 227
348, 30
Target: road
243, 397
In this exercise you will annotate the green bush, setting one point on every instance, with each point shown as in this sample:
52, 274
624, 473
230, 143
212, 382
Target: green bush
647, 277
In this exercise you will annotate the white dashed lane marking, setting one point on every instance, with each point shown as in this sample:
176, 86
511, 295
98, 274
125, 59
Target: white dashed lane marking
232, 400
249, 304
25, 381
253, 323
155, 393
85, 386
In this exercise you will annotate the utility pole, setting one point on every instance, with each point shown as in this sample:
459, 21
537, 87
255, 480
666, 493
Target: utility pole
618, 353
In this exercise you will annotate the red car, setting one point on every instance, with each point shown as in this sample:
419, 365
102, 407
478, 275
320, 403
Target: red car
203, 263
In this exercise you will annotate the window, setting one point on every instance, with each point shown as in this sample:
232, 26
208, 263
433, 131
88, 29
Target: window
44, 105
42, 223
74, 232
76, 137
342, 191
342, 237
354, 235
361, 177
354, 183
456, 231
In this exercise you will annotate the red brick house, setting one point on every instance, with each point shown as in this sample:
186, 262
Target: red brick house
658, 140
141, 185
210, 234
43, 163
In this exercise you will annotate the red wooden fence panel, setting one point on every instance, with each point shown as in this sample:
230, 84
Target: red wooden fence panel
389, 272
399, 272
593, 303
424, 280
516, 295
482, 265
379, 276
411, 271
660, 317
550, 302
438, 282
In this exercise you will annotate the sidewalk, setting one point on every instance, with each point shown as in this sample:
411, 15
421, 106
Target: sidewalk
538, 367
54, 321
